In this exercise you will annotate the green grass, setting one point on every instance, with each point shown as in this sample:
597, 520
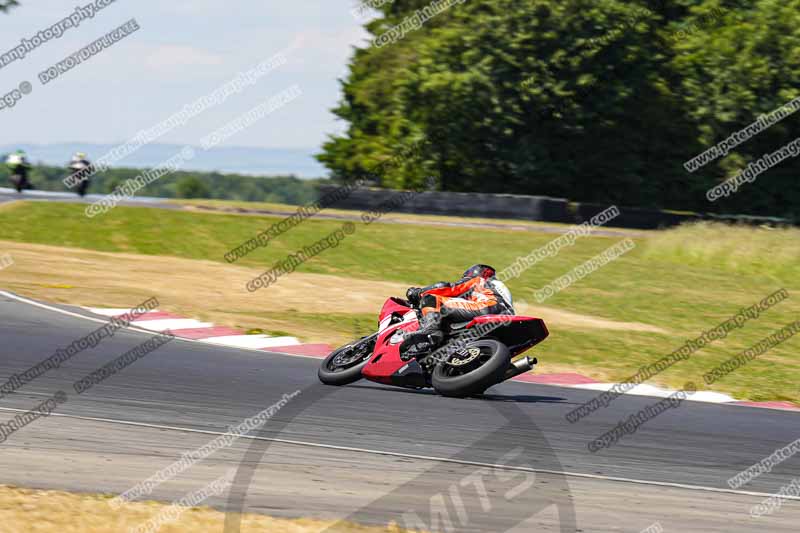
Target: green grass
254, 207
741, 249
684, 280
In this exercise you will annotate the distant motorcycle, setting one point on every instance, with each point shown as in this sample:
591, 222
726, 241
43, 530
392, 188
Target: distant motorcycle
81, 170
475, 356
19, 167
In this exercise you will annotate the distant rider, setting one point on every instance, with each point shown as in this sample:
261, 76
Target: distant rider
81, 170
18, 164
443, 304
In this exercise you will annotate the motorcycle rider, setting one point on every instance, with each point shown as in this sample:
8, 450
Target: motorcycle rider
443, 304
18, 164
81, 170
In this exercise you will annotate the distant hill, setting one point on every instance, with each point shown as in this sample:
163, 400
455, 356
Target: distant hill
238, 160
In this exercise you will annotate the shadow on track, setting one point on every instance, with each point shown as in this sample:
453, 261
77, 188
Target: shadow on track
518, 398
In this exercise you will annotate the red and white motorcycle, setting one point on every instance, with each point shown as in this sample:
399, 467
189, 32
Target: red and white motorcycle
474, 356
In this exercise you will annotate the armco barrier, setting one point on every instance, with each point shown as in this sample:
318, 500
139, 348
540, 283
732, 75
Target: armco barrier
634, 217
459, 204
522, 207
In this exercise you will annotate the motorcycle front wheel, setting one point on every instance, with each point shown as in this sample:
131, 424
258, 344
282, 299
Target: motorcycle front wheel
343, 366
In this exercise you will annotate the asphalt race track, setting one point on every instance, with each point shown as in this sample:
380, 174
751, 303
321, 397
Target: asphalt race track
372, 453
9, 195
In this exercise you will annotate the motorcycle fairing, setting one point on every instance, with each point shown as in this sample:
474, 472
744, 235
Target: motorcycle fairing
386, 366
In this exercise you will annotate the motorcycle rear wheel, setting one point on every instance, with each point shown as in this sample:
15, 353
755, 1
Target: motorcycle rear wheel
481, 364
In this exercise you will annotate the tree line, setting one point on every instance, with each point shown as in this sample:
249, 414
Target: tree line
185, 184
592, 100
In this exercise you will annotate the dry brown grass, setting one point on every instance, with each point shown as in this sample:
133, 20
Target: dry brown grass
205, 290
569, 320
215, 292
50, 511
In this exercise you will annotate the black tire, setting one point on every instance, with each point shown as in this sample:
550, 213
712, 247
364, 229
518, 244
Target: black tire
20, 183
450, 381
330, 373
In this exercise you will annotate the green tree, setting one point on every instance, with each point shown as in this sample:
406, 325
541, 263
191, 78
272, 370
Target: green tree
8, 4
279, 189
191, 187
526, 98
731, 72
600, 100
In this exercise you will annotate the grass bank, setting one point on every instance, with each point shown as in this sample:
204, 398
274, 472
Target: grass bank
678, 283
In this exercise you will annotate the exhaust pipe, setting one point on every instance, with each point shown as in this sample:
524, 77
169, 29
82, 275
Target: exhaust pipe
520, 367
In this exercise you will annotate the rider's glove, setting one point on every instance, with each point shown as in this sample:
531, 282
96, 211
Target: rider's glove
413, 294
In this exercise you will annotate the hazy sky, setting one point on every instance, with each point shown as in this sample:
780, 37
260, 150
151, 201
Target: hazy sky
184, 49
